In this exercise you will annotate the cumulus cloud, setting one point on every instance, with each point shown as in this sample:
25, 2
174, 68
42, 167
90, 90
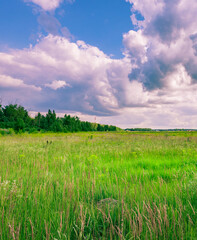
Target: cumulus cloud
166, 40
90, 82
47, 5
57, 84
91, 74
162, 51
136, 46
10, 82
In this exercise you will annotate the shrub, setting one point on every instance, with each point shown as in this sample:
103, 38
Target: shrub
9, 131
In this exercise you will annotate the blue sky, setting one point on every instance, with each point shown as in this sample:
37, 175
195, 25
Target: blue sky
17, 23
130, 63
99, 23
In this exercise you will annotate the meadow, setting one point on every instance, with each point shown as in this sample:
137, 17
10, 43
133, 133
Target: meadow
98, 186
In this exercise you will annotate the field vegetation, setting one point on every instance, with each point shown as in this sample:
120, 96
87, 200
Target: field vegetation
98, 186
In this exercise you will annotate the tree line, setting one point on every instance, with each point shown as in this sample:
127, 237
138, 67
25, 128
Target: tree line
16, 117
139, 129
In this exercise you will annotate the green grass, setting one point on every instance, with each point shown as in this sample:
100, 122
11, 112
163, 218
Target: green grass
98, 186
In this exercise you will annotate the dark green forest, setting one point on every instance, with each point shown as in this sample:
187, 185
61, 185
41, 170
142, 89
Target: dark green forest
16, 117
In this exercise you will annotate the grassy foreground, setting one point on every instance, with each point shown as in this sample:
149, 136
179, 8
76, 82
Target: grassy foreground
98, 186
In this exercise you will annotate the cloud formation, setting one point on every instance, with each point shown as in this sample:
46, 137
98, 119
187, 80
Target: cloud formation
154, 85
47, 5
51, 25
10, 82
91, 75
75, 76
57, 84
166, 40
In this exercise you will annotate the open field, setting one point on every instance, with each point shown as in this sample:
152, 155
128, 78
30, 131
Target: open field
98, 186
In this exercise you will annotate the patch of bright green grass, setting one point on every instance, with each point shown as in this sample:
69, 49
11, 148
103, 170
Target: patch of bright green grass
98, 186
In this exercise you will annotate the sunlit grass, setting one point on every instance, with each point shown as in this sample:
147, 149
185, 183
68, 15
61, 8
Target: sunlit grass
98, 186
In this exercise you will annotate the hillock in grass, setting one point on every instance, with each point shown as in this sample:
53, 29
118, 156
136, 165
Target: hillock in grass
98, 186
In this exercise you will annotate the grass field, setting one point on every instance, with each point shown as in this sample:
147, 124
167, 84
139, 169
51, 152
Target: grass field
98, 186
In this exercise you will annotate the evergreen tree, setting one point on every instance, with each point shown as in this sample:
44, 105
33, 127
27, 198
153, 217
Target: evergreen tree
16, 117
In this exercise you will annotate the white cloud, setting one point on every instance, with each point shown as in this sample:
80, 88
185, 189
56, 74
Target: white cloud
167, 39
57, 84
148, 9
135, 46
51, 25
160, 89
90, 72
47, 5
10, 82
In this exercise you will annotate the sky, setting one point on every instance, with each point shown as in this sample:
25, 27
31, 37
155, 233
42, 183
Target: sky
129, 63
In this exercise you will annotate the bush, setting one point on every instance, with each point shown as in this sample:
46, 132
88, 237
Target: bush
9, 131
33, 130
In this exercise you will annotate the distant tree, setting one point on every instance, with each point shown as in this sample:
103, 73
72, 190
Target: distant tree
112, 128
100, 128
37, 120
2, 125
16, 117
50, 120
19, 125
106, 128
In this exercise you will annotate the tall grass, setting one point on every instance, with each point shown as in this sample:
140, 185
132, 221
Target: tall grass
98, 186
